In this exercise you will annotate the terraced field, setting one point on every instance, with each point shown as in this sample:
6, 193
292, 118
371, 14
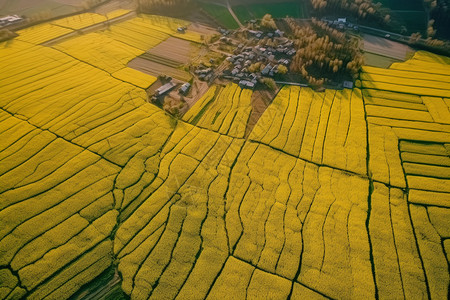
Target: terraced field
335, 194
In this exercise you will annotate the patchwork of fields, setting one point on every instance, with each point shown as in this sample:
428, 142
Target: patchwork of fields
335, 194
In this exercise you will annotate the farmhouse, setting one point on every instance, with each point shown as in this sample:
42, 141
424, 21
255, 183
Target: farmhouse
8, 20
247, 84
185, 88
164, 89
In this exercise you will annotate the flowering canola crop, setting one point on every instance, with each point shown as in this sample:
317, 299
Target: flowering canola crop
334, 194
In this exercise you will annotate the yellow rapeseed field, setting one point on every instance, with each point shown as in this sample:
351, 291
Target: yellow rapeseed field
339, 194
225, 111
325, 128
80, 21
42, 33
134, 77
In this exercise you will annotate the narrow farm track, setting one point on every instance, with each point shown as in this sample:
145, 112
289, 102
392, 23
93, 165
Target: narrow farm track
335, 194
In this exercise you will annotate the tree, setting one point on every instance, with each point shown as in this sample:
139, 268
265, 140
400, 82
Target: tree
6, 34
282, 69
324, 53
430, 30
268, 22
415, 37
269, 82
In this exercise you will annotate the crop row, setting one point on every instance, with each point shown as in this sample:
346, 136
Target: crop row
51, 217
327, 128
227, 112
92, 175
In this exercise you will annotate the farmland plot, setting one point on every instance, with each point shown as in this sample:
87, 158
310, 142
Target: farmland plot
325, 128
227, 112
336, 194
413, 129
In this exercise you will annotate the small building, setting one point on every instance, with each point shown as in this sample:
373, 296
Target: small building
8, 20
184, 89
246, 84
274, 69
223, 31
348, 84
279, 33
266, 70
164, 89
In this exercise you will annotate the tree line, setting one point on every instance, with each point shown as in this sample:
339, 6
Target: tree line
324, 53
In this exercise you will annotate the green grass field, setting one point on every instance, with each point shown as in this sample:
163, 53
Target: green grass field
277, 10
402, 4
409, 13
221, 14
415, 21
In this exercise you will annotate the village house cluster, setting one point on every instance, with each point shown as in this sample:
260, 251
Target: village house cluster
250, 63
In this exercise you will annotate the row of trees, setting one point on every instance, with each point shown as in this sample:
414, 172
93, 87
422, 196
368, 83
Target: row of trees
323, 53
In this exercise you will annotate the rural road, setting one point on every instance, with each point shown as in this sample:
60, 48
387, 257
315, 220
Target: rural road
234, 15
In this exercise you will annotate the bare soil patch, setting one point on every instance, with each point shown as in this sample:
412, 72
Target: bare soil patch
30, 7
174, 49
156, 69
202, 28
115, 5
385, 47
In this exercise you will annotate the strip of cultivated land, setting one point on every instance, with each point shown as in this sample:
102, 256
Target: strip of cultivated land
335, 194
